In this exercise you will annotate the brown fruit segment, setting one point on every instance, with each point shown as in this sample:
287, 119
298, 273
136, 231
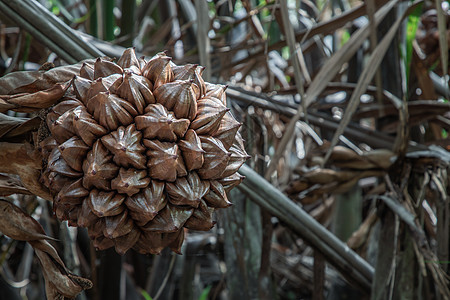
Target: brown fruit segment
104, 68
210, 113
57, 164
144, 206
227, 130
187, 190
158, 70
81, 87
191, 149
231, 181
86, 217
194, 73
216, 91
87, 71
201, 219
62, 128
110, 110
98, 169
125, 242
60, 108
96, 228
216, 197
97, 86
54, 181
62, 211
170, 219
163, 161
72, 214
128, 60
216, 158
117, 226
103, 243
72, 151
139, 151
130, 181
154, 242
176, 244
137, 90
104, 204
46, 146
86, 127
72, 194
237, 159
125, 145
158, 123
178, 96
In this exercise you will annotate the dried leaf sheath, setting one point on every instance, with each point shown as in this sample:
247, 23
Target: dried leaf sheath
138, 152
19, 225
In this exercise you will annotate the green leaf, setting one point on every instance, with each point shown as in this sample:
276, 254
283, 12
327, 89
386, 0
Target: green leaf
109, 21
411, 30
205, 293
146, 295
345, 37
285, 53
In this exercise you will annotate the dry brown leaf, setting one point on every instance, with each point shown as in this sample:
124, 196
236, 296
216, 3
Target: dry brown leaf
359, 237
19, 225
32, 101
59, 281
11, 185
14, 128
34, 81
18, 159
380, 157
341, 153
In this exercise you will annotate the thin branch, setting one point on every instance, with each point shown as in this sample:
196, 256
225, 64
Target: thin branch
166, 278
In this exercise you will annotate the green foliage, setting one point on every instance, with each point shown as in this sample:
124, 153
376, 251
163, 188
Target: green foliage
108, 14
146, 295
345, 37
411, 30
205, 293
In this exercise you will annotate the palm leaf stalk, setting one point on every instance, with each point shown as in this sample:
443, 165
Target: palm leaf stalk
45, 27
26, 25
338, 253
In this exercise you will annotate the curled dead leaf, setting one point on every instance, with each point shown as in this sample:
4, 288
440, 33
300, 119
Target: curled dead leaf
29, 102
19, 225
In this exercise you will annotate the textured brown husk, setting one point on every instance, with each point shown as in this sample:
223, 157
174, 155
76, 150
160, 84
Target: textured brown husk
140, 150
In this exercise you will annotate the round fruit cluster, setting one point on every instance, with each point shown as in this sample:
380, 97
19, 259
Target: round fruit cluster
140, 149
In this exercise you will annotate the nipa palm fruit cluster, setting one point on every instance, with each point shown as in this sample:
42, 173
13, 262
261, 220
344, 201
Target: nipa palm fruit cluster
140, 149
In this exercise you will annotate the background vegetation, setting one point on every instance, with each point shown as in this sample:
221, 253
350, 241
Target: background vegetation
345, 112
